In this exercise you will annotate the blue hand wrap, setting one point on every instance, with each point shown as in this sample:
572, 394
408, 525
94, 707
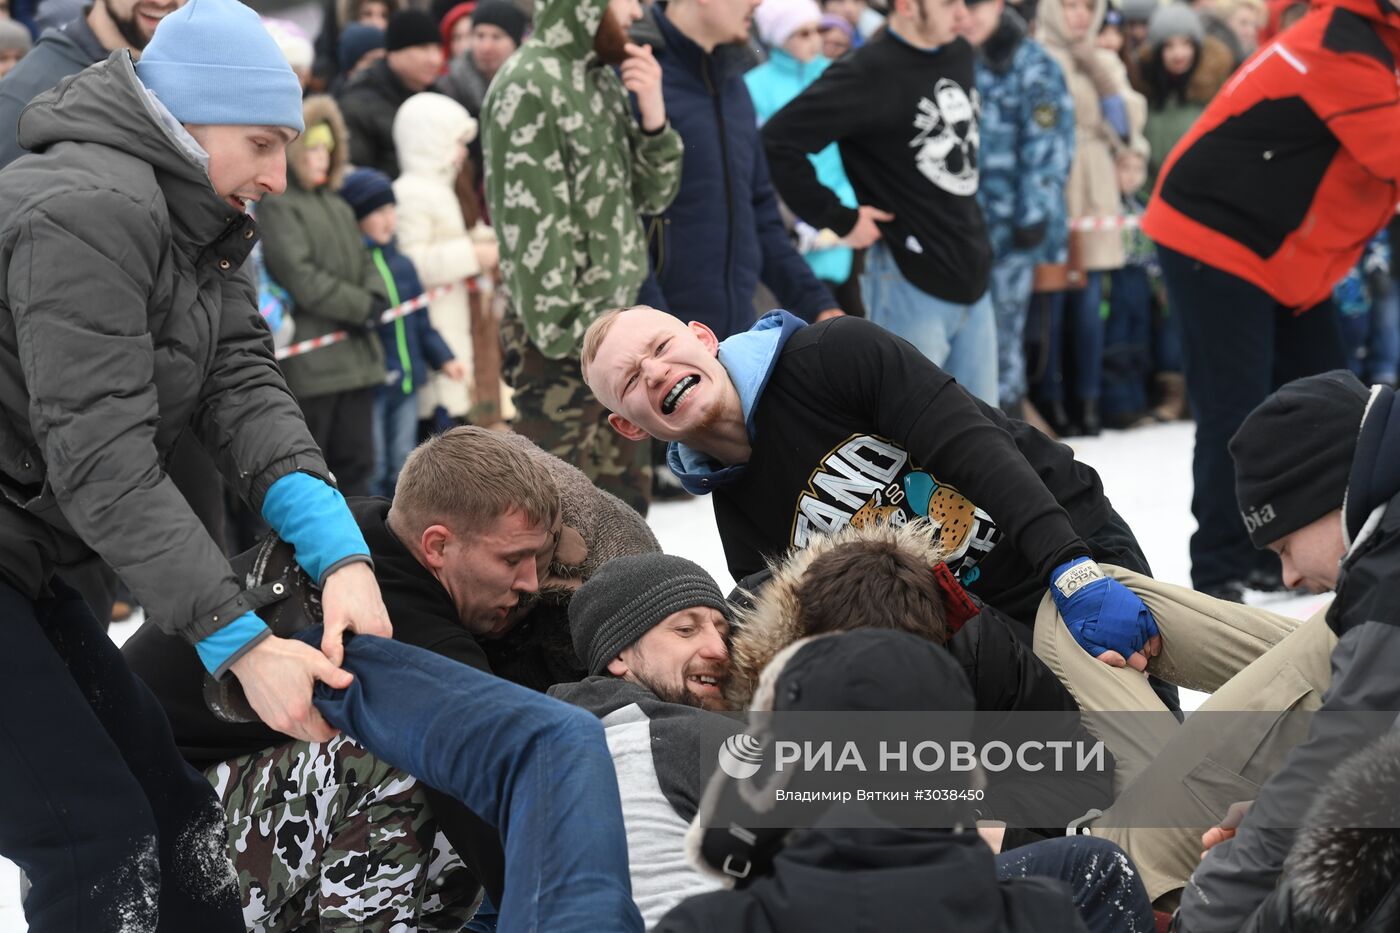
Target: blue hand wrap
1101, 613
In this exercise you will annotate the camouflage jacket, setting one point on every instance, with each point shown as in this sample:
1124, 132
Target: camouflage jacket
1027, 140
568, 171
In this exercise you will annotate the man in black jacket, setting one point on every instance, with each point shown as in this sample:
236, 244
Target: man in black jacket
411, 64
460, 560
1317, 474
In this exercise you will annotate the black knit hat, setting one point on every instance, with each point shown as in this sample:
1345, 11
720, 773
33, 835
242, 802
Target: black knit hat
628, 597
408, 28
1293, 454
366, 190
504, 15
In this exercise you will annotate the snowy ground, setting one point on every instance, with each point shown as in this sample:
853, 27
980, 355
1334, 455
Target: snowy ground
1147, 474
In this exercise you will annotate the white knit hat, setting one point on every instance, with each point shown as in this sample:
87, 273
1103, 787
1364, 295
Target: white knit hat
778, 19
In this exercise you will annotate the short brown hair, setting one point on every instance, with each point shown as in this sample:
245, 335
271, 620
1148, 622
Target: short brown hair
469, 477
871, 584
595, 335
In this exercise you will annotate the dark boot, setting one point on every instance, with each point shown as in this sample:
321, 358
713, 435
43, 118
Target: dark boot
1171, 397
1089, 421
1058, 419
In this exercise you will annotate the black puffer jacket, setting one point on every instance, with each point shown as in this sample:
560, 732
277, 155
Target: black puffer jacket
368, 104
882, 877
126, 319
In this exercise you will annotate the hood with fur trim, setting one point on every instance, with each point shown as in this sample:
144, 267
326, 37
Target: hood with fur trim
1213, 68
427, 129
773, 624
320, 108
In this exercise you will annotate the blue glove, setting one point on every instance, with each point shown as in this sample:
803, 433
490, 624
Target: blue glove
1101, 613
1116, 113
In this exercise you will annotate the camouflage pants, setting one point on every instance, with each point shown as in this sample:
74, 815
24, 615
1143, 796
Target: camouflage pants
558, 412
328, 837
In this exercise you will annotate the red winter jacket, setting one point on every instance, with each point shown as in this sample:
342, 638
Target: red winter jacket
1295, 163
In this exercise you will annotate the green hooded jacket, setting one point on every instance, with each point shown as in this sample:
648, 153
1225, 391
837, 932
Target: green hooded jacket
568, 171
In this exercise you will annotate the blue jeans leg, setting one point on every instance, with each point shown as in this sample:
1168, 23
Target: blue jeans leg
1383, 353
1107, 890
959, 338
533, 767
1125, 353
395, 436
1086, 332
1012, 279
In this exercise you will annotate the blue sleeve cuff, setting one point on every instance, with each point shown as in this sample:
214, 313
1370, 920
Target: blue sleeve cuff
313, 518
230, 643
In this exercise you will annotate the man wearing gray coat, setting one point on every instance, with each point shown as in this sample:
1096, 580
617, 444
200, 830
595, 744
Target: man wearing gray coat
124, 319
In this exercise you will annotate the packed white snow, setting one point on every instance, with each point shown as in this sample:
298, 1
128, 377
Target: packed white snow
1146, 472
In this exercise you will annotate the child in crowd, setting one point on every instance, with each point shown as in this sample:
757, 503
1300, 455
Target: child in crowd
313, 250
431, 133
837, 36
411, 345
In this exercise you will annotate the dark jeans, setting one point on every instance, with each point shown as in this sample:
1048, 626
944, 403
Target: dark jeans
1127, 339
1240, 346
1074, 323
1105, 887
97, 807
343, 427
535, 768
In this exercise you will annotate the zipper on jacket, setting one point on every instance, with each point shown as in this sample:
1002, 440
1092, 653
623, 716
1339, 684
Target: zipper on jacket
728, 184
400, 338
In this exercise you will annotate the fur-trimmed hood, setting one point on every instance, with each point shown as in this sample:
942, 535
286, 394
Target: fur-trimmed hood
1342, 874
320, 108
1213, 69
773, 623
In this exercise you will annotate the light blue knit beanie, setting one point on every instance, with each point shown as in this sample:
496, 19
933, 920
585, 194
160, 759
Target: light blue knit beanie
213, 62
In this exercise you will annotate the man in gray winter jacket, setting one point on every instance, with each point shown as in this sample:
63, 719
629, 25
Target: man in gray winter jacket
126, 320
1317, 475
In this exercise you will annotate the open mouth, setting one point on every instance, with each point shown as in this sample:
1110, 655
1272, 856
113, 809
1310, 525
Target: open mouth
240, 203
705, 682
678, 393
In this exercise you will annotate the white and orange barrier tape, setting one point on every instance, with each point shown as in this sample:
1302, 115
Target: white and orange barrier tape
1097, 224
393, 314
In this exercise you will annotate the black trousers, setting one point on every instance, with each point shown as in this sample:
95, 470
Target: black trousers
343, 425
1240, 345
115, 831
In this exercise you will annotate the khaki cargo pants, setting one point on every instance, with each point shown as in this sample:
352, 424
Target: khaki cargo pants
1251, 661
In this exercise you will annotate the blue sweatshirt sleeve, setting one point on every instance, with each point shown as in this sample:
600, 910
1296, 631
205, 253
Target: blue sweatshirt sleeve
313, 518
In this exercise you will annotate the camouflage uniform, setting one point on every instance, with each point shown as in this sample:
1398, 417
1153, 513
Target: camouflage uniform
569, 170
1027, 146
326, 836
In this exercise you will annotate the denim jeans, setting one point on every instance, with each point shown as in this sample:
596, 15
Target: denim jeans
1127, 334
1074, 322
535, 768
1383, 347
1012, 279
97, 806
1240, 346
962, 339
1102, 881
395, 436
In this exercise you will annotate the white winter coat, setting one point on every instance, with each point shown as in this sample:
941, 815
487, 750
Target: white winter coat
432, 232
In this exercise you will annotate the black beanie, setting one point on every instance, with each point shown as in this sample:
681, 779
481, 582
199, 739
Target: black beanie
366, 190
1293, 454
628, 597
504, 15
408, 28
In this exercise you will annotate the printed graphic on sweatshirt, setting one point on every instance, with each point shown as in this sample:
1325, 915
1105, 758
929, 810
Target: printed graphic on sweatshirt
870, 479
948, 138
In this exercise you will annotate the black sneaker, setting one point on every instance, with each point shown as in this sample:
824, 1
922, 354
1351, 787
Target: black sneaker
1230, 591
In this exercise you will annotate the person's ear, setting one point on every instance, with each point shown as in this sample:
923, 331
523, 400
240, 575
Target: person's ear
618, 667
706, 337
626, 428
434, 541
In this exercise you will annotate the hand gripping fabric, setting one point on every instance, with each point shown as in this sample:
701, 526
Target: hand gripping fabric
1101, 613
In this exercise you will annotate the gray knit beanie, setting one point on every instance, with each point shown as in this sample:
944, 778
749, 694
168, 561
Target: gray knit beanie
630, 596
1137, 11
1174, 19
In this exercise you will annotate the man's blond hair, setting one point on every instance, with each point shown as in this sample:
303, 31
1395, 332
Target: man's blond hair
467, 478
595, 335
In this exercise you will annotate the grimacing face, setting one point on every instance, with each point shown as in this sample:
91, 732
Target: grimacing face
1312, 555
490, 572
658, 377
684, 659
